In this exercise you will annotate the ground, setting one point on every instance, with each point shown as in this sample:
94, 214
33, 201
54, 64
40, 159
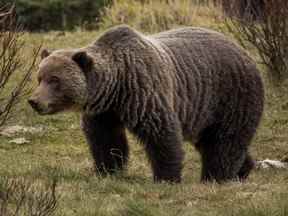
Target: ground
60, 151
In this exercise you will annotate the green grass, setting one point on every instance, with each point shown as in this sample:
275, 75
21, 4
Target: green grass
60, 152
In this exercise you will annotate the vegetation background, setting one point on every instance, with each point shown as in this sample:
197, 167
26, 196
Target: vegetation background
39, 15
58, 151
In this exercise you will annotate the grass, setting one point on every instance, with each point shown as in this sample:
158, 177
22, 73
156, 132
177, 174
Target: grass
60, 152
159, 15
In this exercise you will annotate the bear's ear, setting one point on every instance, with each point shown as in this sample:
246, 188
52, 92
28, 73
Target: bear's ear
83, 60
45, 53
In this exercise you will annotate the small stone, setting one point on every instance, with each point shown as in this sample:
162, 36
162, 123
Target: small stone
19, 141
267, 163
13, 130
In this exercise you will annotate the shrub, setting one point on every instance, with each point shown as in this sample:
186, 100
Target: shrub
243, 8
22, 198
268, 35
11, 65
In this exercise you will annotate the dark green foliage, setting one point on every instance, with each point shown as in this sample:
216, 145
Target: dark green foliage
38, 15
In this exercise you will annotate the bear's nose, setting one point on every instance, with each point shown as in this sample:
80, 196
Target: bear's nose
33, 104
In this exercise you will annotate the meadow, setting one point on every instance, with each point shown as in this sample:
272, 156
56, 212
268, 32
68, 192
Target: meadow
59, 150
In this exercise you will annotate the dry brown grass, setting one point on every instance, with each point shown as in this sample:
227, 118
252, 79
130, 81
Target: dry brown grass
160, 15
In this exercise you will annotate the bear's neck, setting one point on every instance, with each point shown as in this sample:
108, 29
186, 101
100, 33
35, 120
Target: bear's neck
102, 89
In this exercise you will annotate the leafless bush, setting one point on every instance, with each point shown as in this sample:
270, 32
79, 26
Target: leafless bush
22, 198
268, 35
11, 64
251, 9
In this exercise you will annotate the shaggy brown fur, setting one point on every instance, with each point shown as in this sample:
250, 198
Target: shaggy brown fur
188, 83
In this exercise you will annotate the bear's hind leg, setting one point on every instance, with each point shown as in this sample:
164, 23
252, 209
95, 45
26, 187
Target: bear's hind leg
107, 140
224, 155
246, 168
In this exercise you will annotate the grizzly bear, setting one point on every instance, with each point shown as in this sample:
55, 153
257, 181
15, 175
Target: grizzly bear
184, 84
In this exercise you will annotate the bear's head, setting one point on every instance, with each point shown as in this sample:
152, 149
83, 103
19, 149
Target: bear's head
88, 79
61, 81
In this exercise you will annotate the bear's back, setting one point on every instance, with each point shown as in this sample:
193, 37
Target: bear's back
201, 46
210, 70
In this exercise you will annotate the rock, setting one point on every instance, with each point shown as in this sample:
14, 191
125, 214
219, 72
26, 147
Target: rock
20, 140
267, 163
11, 131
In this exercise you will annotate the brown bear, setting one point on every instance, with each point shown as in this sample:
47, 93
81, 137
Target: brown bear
183, 84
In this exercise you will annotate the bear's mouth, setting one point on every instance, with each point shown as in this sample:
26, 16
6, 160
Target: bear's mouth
49, 109
47, 112
53, 108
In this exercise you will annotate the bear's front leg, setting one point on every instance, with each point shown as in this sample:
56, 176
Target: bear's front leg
163, 144
106, 137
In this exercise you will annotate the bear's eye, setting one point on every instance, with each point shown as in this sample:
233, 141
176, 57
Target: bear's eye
54, 79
